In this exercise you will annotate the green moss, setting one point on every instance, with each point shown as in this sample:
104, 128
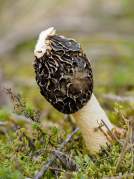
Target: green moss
8, 173
29, 147
4, 114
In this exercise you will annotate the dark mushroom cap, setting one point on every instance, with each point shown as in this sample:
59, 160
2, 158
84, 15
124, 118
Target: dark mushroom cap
64, 74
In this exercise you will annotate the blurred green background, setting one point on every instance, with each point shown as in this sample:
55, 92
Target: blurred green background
104, 28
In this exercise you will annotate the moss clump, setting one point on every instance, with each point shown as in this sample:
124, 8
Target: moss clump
25, 148
8, 173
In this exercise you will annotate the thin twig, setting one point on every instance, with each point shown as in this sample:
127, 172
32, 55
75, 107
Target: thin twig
124, 148
56, 169
109, 131
45, 167
66, 160
105, 134
109, 135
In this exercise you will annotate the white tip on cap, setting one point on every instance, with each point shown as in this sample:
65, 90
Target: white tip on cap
40, 47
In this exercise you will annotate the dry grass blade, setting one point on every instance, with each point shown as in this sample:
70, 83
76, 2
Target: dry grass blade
126, 143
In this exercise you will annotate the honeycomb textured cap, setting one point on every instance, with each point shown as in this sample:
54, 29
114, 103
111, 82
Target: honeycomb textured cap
64, 74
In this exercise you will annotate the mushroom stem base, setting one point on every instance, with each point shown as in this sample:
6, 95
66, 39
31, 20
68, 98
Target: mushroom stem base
89, 120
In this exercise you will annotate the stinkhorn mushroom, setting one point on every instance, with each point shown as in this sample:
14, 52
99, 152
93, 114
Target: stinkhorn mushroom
64, 75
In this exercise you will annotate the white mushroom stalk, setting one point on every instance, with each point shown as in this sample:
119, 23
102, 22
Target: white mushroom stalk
92, 121
88, 118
